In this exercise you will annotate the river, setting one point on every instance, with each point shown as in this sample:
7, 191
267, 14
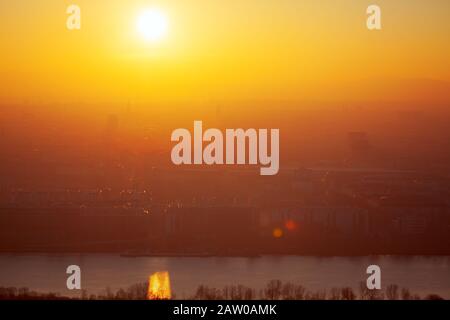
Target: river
44, 273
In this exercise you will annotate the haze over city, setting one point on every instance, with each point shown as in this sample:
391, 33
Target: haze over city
364, 138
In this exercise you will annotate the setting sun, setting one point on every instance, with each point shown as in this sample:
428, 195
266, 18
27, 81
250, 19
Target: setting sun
152, 25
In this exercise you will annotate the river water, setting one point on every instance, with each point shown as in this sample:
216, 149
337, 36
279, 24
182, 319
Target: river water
422, 275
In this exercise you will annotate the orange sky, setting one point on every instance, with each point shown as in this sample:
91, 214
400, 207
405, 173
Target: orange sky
218, 50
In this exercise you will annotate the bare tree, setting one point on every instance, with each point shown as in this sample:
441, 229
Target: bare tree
392, 292
348, 294
273, 290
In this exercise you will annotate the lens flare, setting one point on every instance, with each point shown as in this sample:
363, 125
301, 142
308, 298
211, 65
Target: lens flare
291, 225
277, 233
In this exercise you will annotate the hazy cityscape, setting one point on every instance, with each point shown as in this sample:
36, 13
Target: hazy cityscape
116, 196
236, 150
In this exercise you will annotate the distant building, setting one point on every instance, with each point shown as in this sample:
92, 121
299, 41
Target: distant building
359, 146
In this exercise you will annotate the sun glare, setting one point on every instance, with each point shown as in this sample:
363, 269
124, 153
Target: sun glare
159, 286
152, 25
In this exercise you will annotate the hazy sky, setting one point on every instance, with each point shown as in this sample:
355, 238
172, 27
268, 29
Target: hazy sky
230, 49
